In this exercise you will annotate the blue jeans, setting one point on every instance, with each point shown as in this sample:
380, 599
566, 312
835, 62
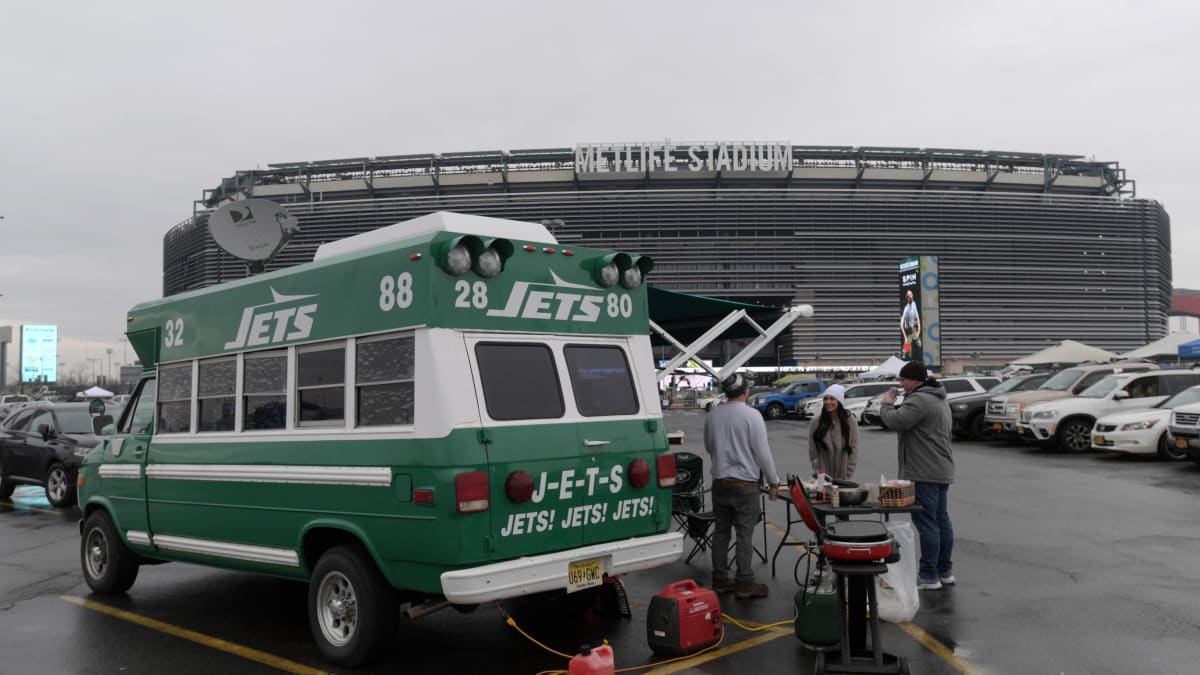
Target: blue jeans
735, 508
935, 531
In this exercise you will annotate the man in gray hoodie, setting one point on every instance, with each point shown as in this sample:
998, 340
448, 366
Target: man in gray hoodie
923, 424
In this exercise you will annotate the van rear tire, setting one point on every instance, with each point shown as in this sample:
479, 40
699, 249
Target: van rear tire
109, 567
351, 607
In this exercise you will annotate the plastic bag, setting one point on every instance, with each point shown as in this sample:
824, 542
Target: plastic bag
897, 592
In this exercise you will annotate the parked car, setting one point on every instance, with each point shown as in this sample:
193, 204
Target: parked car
856, 398
967, 412
8, 402
710, 401
956, 387
43, 444
778, 403
1144, 432
1067, 422
1003, 411
1185, 430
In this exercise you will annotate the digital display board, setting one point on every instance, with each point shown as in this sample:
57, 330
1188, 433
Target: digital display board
39, 353
920, 310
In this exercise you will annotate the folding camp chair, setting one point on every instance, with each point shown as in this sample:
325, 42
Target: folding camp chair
688, 503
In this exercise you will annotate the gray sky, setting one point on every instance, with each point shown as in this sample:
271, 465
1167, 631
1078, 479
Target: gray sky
114, 116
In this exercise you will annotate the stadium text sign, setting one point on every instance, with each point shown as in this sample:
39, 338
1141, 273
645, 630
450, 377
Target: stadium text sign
668, 156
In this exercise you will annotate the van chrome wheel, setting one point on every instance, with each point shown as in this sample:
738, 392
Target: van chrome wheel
337, 608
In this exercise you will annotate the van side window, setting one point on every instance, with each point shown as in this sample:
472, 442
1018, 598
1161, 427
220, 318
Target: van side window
383, 375
519, 381
175, 398
140, 416
320, 383
601, 381
264, 390
216, 384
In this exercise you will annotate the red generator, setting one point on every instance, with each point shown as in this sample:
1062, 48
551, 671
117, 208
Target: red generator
683, 619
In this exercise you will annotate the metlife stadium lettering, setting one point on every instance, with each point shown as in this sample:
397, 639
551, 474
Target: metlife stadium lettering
668, 156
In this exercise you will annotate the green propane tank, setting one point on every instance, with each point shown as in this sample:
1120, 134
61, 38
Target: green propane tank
816, 622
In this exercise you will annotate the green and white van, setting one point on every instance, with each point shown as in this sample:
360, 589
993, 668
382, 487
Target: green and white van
446, 411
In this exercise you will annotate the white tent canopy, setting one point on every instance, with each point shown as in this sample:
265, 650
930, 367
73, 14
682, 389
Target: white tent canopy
1067, 352
1167, 347
94, 392
889, 368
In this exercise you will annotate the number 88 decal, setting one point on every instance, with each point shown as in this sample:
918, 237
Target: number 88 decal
395, 292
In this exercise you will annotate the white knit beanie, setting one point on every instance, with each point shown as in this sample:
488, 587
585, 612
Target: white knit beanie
837, 391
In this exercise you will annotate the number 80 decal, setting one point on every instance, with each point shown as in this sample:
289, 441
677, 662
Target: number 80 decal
395, 292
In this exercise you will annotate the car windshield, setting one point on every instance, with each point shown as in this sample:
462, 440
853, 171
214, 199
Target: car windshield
1103, 387
74, 420
1019, 384
1182, 398
1062, 381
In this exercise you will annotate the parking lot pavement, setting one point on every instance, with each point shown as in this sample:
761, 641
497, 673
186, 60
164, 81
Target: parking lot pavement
1066, 564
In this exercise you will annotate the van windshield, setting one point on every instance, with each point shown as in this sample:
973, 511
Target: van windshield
1063, 380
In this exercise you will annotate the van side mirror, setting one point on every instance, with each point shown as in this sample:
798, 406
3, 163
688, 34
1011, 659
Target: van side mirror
102, 425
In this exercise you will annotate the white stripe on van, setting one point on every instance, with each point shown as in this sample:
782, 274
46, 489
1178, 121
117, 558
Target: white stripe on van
120, 470
373, 476
224, 549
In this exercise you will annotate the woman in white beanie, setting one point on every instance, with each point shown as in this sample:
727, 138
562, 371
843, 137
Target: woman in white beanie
833, 437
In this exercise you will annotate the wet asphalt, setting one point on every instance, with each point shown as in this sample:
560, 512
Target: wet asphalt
1066, 564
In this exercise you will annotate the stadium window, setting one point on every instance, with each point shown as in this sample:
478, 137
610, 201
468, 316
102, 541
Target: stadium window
175, 398
320, 384
216, 384
384, 388
264, 391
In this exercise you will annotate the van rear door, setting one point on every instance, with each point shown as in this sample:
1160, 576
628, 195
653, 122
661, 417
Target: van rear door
536, 477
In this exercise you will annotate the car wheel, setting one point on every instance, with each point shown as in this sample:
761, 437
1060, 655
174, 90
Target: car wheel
6, 485
109, 567
351, 607
59, 489
1075, 436
980, 430
775, 411
1169, 451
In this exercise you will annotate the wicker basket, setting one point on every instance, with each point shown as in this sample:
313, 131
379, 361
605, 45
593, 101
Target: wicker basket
904, 494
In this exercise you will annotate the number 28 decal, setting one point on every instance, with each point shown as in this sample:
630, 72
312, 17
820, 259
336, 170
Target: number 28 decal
173, 333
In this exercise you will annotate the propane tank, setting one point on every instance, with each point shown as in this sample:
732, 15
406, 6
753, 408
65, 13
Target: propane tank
592, 661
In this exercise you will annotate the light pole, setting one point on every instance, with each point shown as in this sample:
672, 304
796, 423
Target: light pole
108, 369
976, 355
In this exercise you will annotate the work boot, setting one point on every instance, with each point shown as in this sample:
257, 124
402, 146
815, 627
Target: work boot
721, 585
749, 589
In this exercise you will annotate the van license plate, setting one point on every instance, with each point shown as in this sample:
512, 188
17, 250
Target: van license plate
1181, 442
584, 574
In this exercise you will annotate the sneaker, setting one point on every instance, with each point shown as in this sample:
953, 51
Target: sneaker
926, 585
723, 585
948, 580
750, 590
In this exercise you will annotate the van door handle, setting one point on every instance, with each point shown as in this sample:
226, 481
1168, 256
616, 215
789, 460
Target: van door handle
592, 444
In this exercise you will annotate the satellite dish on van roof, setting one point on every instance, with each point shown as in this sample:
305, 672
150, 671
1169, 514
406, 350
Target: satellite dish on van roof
252, 229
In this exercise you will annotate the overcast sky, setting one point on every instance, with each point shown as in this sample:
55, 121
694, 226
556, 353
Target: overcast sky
114, 116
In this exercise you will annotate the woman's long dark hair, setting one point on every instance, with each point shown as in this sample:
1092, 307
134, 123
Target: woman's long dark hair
826, 421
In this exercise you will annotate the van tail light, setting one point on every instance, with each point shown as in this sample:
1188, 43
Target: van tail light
639, 473
471, 492
665, 466
519, 487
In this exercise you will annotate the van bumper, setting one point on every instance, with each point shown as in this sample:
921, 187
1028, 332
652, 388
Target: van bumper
548, 572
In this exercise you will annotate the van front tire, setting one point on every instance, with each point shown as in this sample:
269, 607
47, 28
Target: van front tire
109, 567
351, 607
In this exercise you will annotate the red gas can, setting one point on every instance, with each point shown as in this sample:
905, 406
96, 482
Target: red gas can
683, 619
592, 661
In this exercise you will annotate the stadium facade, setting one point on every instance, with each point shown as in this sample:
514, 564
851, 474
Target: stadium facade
1031, 248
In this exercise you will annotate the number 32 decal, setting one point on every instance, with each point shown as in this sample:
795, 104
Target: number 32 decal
173, 333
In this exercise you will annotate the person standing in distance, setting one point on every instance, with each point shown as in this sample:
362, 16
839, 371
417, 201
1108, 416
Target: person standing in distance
735, 436
833, 437
923, 425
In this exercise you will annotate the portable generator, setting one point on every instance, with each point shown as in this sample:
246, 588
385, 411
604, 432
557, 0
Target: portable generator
683, 619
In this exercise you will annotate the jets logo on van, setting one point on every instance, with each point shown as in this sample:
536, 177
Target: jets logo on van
561, 301
270, 324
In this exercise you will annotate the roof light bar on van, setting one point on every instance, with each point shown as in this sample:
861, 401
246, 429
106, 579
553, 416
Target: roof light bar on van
607, 268
639, 267
490, 260
471, 493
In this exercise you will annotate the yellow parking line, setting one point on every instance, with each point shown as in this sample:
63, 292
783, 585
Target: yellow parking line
931, 643
199, 638
715, 654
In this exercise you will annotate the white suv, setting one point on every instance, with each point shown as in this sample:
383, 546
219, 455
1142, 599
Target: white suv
856, 399
956, 387
1067, 422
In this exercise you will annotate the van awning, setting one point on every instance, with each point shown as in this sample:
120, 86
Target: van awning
687, 317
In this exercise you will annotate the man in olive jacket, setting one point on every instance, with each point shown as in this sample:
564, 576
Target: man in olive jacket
923, 424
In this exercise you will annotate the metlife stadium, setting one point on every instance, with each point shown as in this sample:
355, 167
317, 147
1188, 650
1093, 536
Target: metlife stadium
1030, 248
